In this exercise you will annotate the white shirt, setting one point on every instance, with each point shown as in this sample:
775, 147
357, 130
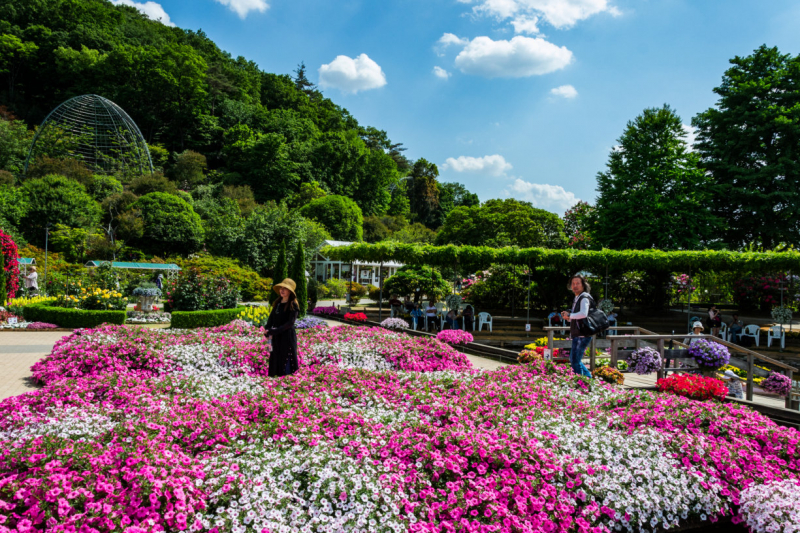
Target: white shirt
583, 312
431, 311
31, 280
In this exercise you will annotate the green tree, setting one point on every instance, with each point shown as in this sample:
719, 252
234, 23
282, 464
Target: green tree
189, 169
417, 281
307, 193
460, 195
280, 271
579, 224
14, 143
171, 226
101, 187
339, 214
299, 277
423, 193
14, 54
653, 194
13, 205
748, 142
375, 230
503, 223
73, 243
56, 200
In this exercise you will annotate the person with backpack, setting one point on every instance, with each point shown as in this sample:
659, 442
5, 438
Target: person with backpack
581, 306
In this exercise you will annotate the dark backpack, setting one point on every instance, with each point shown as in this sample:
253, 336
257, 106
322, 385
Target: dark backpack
595, 322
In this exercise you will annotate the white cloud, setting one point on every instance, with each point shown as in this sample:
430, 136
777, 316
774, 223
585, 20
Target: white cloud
244, 7
544, 196
691, 136
560, 14
447, 40
517, 58
439, 72
352, 75
151, 9
492, 165
529, 25
565, 91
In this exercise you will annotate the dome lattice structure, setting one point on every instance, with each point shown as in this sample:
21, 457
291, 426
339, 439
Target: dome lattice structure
97, 131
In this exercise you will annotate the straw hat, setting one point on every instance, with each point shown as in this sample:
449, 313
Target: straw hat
287, 284
698, 325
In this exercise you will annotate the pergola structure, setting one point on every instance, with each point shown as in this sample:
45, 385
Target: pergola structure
325, 266
172, 270
24, 263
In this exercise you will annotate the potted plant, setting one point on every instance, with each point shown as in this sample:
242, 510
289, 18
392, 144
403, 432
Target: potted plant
147, 294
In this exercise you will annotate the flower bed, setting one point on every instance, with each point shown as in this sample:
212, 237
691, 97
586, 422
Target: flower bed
609, 375
137, 317
40, 325
326, 311
150, 430
693, 386
356, 317
455, 337
309, 322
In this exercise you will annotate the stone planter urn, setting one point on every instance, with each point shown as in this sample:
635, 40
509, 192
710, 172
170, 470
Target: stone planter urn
146, 297
146, 303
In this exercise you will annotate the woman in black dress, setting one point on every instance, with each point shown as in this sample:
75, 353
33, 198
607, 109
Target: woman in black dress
280, 328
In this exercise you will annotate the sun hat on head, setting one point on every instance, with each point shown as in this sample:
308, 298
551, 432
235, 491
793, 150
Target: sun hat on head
287, 284
698, 325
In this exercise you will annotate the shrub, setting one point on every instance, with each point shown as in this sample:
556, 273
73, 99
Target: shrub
203, 319
357, 291
280, 271
645, 361
693, 386
417, 280
374, 293
57, 200
709, 355
454, 337
334, 288
313, 293
609, 375
252, 286
356, 317
72, 318
193, 291
326, 311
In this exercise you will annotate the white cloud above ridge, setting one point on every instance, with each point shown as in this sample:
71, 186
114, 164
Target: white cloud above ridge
492, 165
542, 195
561, 14
153, 10
352, 75
244, 7
520, 57
564, 91
439, 72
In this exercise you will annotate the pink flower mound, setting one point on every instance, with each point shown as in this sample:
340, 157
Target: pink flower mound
455, 337
377, 348
41, 325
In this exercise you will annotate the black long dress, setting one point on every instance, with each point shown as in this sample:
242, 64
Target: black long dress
280, 325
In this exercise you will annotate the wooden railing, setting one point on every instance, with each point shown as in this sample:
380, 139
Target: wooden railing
641, 335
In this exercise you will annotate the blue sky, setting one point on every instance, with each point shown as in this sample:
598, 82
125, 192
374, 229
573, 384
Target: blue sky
512, 98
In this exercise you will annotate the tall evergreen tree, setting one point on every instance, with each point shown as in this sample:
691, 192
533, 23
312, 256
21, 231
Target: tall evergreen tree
653, 194
750, 143
280, 272
299, 277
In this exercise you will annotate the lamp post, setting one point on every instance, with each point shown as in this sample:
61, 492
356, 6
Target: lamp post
46, 239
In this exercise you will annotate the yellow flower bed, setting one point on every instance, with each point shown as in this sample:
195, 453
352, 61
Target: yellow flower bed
35, 300
255, 315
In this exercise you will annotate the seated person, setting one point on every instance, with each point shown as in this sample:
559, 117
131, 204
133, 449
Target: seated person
734, 385
612, 318
469, 317
408, 304
735, 326
432, 315
418, 314
697, 329
554, 318
452, 319
395, 305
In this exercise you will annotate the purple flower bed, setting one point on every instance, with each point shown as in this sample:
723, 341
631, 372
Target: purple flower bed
326, 311
41, 325
709, 354
309, 322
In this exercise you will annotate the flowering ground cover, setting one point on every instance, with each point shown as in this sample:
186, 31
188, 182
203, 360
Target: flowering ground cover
149, 430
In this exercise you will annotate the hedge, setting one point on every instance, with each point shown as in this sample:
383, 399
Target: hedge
72, 318
481, 257
204, 319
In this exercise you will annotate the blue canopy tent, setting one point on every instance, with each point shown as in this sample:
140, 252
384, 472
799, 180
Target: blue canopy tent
171, 269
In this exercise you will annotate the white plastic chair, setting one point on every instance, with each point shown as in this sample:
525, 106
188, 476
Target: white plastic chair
723, 331
776, 332
484, 318
751, 331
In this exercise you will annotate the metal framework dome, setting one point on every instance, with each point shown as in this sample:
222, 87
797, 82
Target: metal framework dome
100, 133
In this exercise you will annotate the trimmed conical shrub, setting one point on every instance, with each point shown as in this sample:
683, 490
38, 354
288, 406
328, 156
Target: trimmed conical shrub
299, 277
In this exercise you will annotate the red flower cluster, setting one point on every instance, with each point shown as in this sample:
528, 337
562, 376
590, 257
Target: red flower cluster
754, 291
9, 249
356, 317
693, 386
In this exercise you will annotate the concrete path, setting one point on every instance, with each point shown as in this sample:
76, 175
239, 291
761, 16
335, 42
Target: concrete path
18, 352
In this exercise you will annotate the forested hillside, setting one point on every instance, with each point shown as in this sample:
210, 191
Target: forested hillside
243, 158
